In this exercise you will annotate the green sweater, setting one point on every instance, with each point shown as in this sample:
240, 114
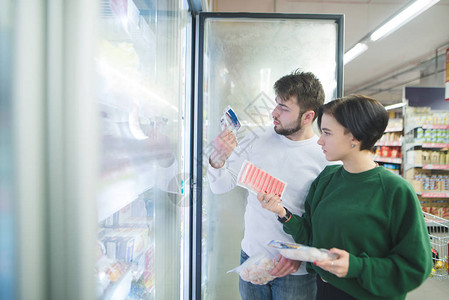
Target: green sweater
376, 217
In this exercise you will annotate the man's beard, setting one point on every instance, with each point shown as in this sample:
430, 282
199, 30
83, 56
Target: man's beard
289, 131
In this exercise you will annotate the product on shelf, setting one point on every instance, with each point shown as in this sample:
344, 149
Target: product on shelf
108, 271
393, 168
421, 116
394, 124
388, 148
426, 157
442, 212
390, 139
126, 244
425, 181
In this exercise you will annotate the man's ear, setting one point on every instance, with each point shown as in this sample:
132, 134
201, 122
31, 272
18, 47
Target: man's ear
307, 117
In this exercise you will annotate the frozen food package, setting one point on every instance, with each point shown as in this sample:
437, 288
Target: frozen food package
230, 120
300, 252
257, 180
256, 269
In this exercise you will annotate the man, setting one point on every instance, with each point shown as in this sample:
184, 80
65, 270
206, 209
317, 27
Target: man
290, 152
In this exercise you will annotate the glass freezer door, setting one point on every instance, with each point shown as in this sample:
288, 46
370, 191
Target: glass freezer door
240, 56
141, 65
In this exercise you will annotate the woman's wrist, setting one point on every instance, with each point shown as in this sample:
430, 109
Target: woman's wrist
282, 213
285, 217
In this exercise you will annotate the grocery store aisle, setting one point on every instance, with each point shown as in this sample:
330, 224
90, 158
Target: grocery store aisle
431, 288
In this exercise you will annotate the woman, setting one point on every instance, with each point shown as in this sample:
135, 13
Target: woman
368, 216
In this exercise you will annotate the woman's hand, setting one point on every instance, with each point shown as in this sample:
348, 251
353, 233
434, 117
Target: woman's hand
272, 202
339, 267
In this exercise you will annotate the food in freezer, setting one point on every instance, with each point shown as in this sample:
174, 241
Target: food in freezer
126, 244
256, 269
108, 271
300, 252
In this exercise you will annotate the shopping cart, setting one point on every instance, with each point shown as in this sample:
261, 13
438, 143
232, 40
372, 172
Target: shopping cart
438, 229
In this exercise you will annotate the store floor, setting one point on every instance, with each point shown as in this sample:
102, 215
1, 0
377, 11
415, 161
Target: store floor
433, 289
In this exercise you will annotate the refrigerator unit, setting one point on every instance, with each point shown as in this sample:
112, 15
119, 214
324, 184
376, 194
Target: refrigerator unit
239, 57
113, 113
142, 205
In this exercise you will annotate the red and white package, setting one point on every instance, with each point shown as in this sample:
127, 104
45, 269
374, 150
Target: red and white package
257, 180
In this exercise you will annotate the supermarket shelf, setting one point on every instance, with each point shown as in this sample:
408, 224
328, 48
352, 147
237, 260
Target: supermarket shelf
435, 167
427, 166
395, 125
410, 128
435, 145
390, 160
435, 195
391, 144
114, 197
408, 146
410, 166
435, 126
119, 289
394, 129
426, 126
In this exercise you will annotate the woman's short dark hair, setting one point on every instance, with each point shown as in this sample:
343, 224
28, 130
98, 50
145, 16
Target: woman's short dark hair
365, 117
304, 86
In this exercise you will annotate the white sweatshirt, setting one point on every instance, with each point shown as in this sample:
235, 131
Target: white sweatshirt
296, 162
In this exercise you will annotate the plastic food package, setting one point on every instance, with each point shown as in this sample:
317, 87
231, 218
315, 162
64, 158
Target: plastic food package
300, 252
229, 120
257, 180
256, 269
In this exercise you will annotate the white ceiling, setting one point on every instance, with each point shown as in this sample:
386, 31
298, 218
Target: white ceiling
405, 57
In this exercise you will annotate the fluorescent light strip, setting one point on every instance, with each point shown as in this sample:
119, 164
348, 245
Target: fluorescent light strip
402, 18
393, 106
354, 52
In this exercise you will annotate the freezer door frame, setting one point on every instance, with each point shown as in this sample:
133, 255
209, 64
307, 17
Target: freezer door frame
196, 262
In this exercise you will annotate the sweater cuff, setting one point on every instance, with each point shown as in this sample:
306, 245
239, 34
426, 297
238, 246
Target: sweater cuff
291, 226
355, 266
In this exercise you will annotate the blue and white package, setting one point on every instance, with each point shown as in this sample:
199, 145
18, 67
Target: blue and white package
230, 120
301, 252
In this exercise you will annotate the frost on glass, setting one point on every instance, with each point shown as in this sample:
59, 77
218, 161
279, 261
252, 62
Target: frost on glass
141, 72
242, 60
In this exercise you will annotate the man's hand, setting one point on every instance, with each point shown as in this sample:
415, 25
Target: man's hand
285, 267
223, 145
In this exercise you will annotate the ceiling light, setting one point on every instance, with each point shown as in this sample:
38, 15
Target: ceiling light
393, 106
354, 52
402, 17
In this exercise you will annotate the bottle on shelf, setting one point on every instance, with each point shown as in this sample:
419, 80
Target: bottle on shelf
426, 157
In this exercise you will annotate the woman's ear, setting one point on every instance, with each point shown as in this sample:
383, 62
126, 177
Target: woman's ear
354, 142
